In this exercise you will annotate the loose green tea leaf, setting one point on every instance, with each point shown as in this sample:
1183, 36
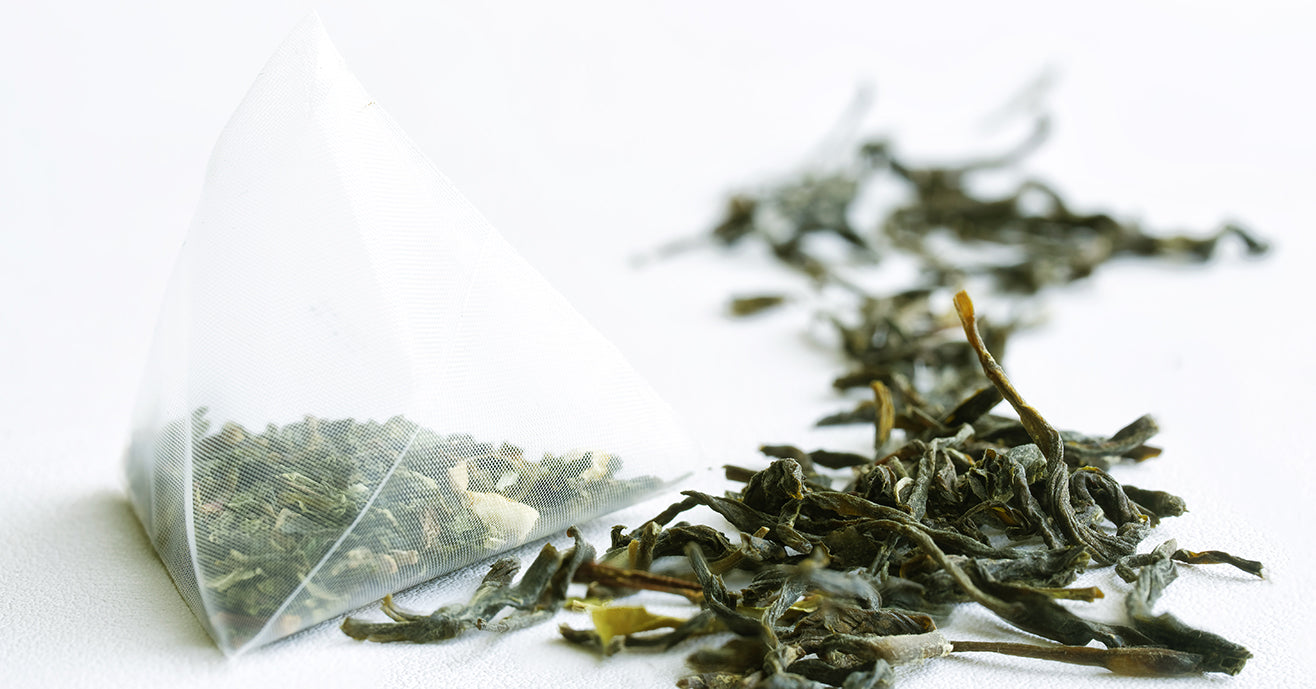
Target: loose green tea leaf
541, 592
1155, 573
1217, 557
619, 627
748, 306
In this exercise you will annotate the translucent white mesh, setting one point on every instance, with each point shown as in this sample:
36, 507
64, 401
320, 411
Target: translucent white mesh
356, 384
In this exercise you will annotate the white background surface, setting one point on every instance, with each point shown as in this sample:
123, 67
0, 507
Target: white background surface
587, 132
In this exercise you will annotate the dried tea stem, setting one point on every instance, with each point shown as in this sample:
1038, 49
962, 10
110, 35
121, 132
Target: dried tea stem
617, 577
1134, 662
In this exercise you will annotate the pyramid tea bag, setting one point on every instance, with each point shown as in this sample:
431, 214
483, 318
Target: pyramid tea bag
356, 384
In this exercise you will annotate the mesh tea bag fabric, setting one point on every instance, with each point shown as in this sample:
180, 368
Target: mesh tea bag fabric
356, 384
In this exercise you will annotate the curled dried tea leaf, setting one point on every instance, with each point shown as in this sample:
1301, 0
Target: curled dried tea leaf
1157, 502
749, 306
739, 655
1217, 557
1155, 572
769, 490
1105, 548
900, 649
540, 592
618, 622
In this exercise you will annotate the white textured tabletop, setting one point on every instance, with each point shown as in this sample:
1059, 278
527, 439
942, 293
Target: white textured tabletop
587, 132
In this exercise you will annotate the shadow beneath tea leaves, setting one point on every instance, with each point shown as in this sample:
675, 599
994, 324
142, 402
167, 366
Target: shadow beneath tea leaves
114, 572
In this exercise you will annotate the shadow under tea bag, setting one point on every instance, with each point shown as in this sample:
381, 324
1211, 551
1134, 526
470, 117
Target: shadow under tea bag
356, 383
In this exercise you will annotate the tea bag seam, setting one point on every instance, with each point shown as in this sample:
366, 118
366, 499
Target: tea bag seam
467, 290
365, 509
451, 196
189, 524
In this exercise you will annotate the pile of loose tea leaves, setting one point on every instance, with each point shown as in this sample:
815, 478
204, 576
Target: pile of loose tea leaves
852, 558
